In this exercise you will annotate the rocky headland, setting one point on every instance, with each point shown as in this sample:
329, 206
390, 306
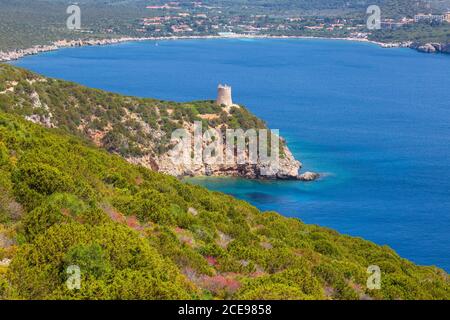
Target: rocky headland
431, 47
20, 53
138, 129
288, 168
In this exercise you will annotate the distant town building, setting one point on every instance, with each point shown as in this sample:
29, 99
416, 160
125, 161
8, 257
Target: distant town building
393, 24
428, 17
228, 34
224, 95
406, 20
447, 16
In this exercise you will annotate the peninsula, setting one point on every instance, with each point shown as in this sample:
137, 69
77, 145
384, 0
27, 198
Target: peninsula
138, 129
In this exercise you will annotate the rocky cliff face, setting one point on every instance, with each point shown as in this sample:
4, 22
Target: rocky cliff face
285, 167
288, 168
431, 47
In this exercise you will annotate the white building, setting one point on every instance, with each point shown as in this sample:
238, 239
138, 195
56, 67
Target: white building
429, 17
447, 16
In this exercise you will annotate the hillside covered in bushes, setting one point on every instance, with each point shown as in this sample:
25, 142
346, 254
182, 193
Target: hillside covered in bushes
137, 234
138, 129
129, 126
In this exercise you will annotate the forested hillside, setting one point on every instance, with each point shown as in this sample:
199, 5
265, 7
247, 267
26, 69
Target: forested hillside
421, 33
26, 23
136, 234
390, 8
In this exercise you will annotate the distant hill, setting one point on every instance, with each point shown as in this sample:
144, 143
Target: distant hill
334, 7
25, 23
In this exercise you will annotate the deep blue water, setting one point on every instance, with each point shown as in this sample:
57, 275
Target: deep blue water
376, 121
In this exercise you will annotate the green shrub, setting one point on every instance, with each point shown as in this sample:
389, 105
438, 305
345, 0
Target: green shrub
4, 154
103, 252
34, 181
326, 248
273, 291
58, 208
90, 259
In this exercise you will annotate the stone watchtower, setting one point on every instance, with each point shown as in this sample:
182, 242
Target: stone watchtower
224, 96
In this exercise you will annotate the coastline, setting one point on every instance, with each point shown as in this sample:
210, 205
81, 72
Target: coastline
61, 44
325, 43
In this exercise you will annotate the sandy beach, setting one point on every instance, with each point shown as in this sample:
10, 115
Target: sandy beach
20, 53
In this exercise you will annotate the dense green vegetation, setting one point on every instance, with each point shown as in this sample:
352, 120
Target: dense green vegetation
128, 126
136, 234
421, 33
391, 8
25, 23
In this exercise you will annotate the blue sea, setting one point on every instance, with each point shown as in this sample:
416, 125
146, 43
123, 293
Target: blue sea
375, 122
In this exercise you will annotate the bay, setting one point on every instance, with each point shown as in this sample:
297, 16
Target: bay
373, 121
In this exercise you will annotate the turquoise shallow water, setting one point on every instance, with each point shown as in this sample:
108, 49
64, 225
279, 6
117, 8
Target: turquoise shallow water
376, 121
